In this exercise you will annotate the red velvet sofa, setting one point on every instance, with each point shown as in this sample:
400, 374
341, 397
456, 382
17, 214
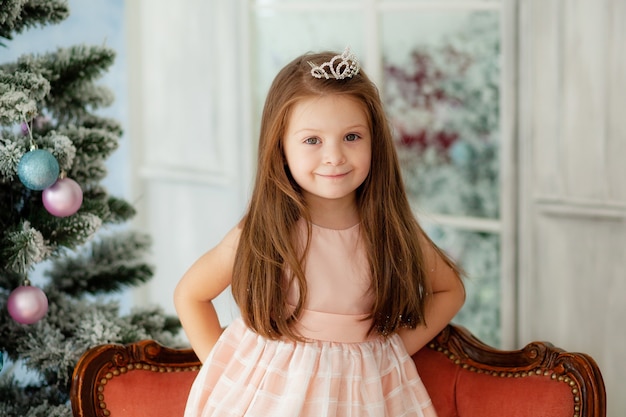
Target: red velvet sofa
464, 377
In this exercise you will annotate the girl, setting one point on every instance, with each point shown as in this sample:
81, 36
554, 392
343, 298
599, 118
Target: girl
336, 282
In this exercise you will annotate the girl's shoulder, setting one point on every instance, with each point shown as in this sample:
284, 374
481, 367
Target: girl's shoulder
233, 235
231, 239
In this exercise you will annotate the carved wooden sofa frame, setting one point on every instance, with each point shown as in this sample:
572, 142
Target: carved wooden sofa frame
465, 378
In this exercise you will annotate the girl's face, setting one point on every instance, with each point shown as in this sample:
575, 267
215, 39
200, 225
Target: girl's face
328, 147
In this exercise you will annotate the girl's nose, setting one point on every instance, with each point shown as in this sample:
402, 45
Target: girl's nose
334, 155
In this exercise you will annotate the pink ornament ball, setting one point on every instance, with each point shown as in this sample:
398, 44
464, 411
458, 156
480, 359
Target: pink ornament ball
63, 198
27, 304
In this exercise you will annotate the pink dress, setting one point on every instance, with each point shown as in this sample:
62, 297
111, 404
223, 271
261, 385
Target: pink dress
340, 371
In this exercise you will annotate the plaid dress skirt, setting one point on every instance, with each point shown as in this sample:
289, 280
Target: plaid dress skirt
249, 375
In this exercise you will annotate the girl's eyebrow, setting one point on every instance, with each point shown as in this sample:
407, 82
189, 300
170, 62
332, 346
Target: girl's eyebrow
348, 128
305, 130
358, 126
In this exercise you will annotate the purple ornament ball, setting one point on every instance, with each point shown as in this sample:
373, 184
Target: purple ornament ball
27, 304
63, 198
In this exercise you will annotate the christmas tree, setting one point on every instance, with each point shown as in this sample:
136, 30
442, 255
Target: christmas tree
63, 252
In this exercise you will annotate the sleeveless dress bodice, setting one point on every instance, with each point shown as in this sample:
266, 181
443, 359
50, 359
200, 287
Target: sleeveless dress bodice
340, 370
338, 286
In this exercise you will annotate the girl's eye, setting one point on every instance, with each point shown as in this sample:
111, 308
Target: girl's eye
311, 141
351, 137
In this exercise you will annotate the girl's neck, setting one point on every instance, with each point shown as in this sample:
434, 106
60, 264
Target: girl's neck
333, 214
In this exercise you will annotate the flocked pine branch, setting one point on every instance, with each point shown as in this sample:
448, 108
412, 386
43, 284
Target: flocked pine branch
110, 209
19, 93
92, 121
110, 264
12, 148
25, 246
93, 147
18, 15
71, 72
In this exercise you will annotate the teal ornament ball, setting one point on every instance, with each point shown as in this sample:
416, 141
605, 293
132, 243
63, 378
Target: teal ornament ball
38, 169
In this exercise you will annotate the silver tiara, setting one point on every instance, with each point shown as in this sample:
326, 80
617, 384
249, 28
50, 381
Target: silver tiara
346, 68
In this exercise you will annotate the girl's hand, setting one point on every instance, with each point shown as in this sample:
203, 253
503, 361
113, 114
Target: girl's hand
446, 299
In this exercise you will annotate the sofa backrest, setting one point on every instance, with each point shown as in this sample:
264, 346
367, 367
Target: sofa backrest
464, 377
142, 379
460, 392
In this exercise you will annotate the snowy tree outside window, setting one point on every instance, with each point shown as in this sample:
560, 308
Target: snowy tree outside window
443, 100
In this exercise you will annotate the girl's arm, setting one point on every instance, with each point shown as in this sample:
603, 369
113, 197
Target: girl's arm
206, 279
446, 299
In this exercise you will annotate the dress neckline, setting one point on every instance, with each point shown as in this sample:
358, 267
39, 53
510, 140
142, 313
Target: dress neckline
335, 230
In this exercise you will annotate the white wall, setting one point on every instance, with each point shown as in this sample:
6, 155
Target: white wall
191, 158
572, 136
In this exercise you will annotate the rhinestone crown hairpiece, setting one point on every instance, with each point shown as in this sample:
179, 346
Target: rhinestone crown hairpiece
348, 67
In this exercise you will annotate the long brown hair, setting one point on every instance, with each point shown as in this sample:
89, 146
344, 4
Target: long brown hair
267, 247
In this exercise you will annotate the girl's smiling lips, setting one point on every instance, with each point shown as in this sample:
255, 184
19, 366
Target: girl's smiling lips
333, 175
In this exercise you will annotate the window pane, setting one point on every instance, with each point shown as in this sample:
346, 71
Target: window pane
479, 256
441, 88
